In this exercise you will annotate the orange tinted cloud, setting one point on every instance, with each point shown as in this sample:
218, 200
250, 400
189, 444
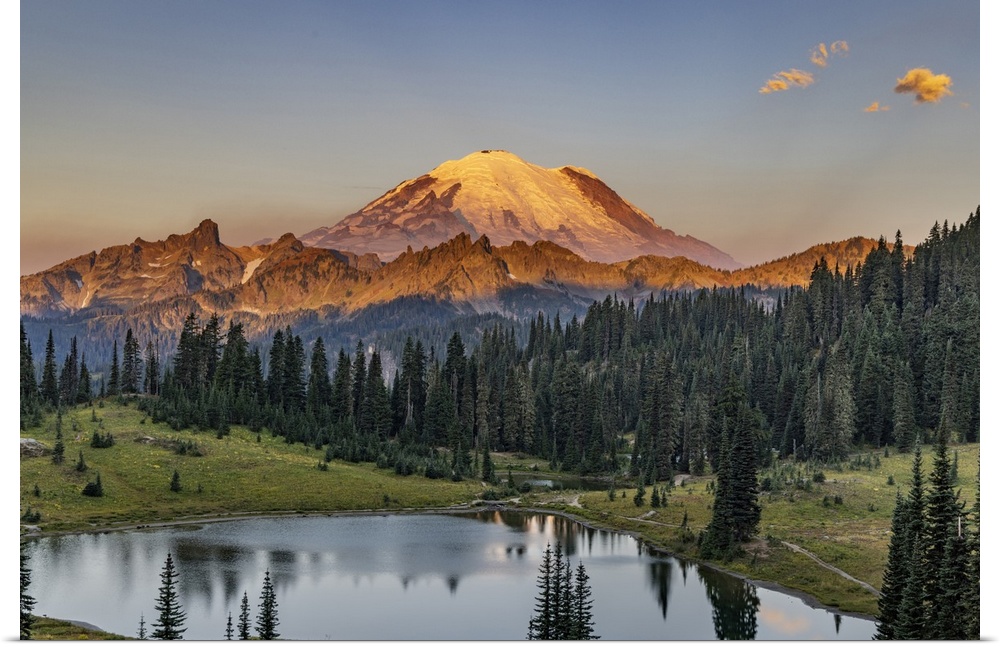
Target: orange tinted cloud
787, 79
927, 86
820, 54
875, 107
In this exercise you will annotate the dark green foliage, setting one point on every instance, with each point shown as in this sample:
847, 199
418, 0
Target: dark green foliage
141, 634
931, 582
229, 626
894, 577
99, 441
94, 488
175, 482
50, 385
489, 473
27, 601
29, 387
267, 615
170, 623
131, 364
735, 510
563, 606
243, 625
84, 390
640, 495
31, 516
113, 386
59, 449
69, 376
80, 465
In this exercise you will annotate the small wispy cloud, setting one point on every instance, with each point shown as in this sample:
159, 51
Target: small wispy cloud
796, 78
820, 54
787, 79
927, 86
875, 107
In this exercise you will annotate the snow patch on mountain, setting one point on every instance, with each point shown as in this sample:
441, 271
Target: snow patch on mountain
250, 269
497, 194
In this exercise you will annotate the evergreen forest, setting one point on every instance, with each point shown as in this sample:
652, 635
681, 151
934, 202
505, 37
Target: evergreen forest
865, 356
704, 382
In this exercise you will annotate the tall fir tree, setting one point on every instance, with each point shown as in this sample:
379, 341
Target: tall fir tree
70, 375
50, 383
267, 616
131, 364
29, 387
114, 377
582, 618
170, 623
243, 625
896, 571
735, 511
27, 601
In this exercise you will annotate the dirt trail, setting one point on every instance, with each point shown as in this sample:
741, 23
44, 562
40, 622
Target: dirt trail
800, 549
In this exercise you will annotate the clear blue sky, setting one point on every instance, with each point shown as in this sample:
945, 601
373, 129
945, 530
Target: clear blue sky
143, 118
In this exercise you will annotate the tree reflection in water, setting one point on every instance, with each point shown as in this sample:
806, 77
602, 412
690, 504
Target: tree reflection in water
660, 572
734, 605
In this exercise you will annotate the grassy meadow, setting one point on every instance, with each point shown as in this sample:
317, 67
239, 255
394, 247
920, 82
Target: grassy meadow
802, 509
842, 517
234, 474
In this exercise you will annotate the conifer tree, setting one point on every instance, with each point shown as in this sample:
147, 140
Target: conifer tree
27, 601
735, 511
50, 384
341, 398
896, 571
563, 606
243, 626
85, 390
358, 379
267, 616
59, 449
489, 473
131, 364
141, 634
229, 626
114, 379
94, 488
29, 387
582, 621
170, 623
540, 626
318, 391
70, 375
903, 416
151, 379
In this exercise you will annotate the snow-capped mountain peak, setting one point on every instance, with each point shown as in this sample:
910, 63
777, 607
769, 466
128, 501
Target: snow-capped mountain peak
496, 193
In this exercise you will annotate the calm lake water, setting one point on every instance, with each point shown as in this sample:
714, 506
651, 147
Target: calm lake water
399, 577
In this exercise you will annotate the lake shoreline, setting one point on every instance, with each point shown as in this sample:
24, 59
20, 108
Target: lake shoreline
808, 599
475, 506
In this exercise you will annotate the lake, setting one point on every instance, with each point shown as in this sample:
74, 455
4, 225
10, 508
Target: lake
407, 576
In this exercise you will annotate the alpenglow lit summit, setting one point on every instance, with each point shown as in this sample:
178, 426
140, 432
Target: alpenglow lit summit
496, 193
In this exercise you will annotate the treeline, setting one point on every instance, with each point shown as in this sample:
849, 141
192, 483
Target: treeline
869, 355
930, 587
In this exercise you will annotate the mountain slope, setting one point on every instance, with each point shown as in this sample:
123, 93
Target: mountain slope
286, 276
125, 276
499, 195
